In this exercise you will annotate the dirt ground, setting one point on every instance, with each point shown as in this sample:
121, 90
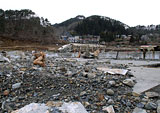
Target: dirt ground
10, 44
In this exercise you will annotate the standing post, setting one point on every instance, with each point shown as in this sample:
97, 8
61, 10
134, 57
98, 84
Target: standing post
117, 54
144, 54
153, 54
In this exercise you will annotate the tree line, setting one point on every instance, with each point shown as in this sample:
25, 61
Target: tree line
25, 25
108, 29
105, 27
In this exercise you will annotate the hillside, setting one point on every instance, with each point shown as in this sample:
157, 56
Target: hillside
24, 25
68, 25
93, 25
108, 29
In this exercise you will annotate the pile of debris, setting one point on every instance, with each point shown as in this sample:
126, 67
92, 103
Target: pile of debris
68, 85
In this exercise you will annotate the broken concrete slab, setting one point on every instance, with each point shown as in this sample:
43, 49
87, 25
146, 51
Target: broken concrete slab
146, 78
113, 71
151, 94
134, 63
73, 107
33, 108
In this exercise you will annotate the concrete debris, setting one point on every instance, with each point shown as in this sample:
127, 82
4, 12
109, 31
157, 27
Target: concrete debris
112, 83
113, 71
50, 107
33, 108
109, 109
6, 93
16, 55
16, 85
89, 55
79, 54
151, 94
151, 106
139, 110
96, 53
65, 48
4, 59
66, 82
158, 108
39, 59
129, 82
73, 107
54, 103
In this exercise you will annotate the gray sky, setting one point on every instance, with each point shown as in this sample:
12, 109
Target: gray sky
130, 12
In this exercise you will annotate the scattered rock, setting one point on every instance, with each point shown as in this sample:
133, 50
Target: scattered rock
151, 106
6, 93
135, 94
112, 83
139, 110
100, 97
129, 82
4, 59
158, 108
130, 73
66, 80
16, 85
86, 104
54, 104
82, 93
33, 108
110, 101
109, 109
73, 107
158, 102
110, 92
91, 75
151, 94
140, 105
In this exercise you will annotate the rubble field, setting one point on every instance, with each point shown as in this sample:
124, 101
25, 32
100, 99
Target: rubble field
69, 85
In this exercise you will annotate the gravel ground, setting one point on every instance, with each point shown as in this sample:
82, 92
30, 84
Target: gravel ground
63, 79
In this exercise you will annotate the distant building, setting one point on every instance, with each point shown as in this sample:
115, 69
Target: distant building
81, 39
73, 39
145, 38
65, 38
90, 39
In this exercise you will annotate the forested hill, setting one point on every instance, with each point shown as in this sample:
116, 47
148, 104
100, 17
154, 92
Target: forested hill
95, 25
70, 21
26, 26
108, 29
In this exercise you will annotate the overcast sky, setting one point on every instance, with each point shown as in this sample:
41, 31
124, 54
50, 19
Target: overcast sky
130, 12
